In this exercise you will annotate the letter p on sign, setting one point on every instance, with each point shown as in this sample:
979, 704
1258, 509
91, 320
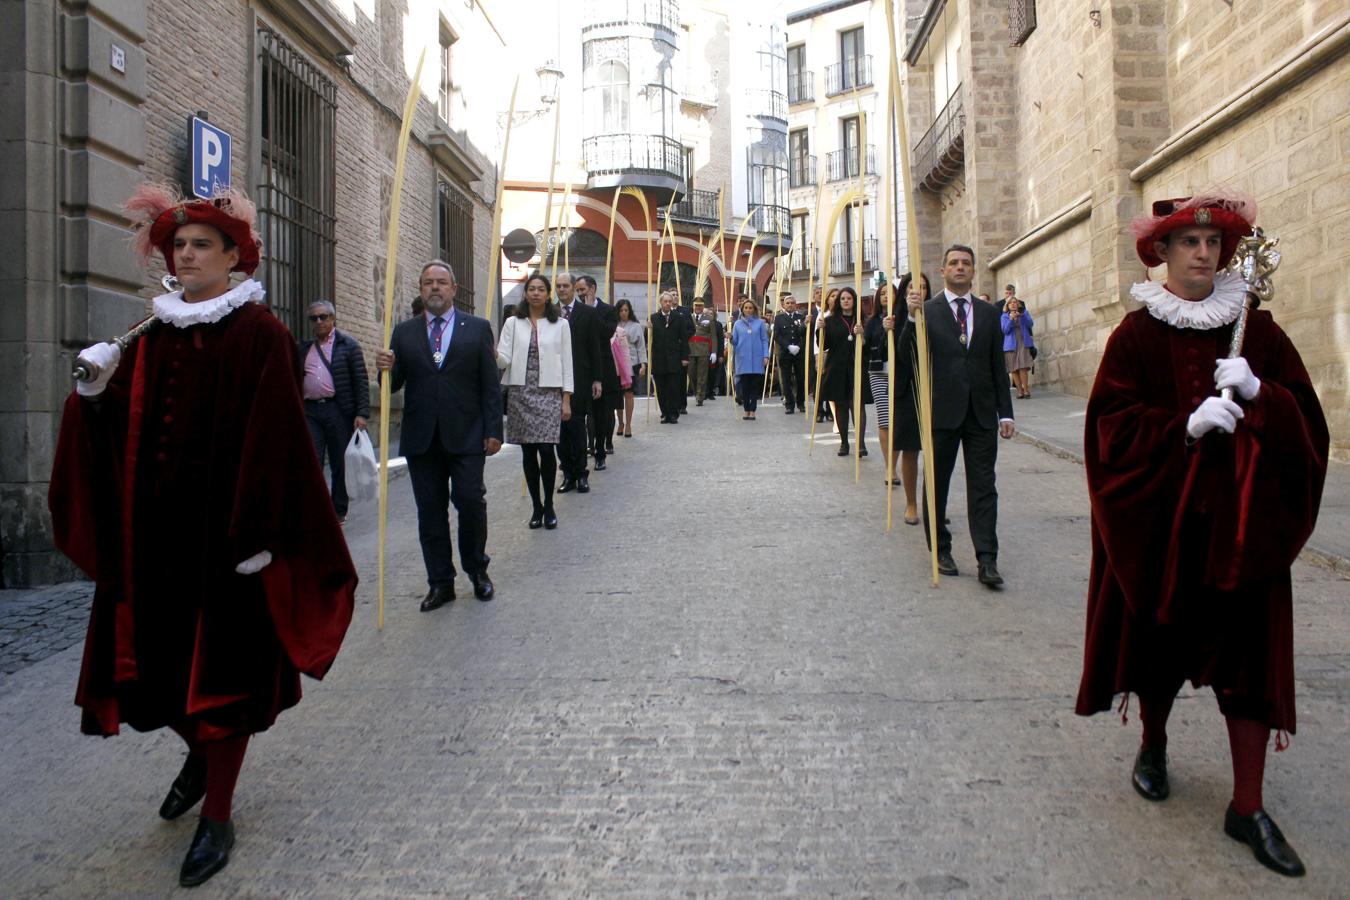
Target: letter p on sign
210, 159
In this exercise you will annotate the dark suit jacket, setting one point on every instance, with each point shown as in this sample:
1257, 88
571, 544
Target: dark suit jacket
351, 382
590, 349
974, 378
461, 401
669, 346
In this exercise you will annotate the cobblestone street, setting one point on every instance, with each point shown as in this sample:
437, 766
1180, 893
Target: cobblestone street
719, 676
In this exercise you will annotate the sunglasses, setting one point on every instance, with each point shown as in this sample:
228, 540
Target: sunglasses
321, 318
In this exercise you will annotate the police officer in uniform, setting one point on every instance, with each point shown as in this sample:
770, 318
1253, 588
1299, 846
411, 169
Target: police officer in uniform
789, 336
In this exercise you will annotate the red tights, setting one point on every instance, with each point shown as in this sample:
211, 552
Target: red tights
1247, 741
224, 758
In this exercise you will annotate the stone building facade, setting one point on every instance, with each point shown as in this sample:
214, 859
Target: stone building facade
1041, 129
97, 95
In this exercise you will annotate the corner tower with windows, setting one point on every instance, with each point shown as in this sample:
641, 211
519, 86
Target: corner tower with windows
629, 100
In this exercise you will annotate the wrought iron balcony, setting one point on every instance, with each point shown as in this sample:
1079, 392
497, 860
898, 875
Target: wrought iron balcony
764, 102
641, 160
801, 87
940, 154
847, 75
843, 255
803, 258
802, 171
658, 13
772, 220
697, 206
843, 164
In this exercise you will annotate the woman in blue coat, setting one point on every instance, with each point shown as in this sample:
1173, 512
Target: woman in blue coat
750, 343
1018, 347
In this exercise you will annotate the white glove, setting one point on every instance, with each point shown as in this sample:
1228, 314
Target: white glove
1215, 412
254, 563
794, 349
1237, 374
712, 359
103, 359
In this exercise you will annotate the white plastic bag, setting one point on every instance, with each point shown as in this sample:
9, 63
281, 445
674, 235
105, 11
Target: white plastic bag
363, 471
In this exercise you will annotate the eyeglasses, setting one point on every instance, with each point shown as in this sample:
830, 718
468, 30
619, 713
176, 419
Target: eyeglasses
321, 318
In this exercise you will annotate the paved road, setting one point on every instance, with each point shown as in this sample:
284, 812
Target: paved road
719, 676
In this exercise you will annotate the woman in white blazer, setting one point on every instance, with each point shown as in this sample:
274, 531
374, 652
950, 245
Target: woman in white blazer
535, 354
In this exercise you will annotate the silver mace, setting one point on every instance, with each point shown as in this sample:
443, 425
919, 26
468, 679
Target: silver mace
88, 371
1256, 259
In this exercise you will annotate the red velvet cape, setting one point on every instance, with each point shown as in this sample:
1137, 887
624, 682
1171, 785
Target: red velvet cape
195, 458
1192, 545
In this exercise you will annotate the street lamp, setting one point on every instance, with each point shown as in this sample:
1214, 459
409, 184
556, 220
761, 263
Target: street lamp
549, 76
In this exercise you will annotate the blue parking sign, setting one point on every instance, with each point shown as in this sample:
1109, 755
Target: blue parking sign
210, 159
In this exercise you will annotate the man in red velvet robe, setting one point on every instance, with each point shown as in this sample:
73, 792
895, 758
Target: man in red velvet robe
186, 485
1199, 506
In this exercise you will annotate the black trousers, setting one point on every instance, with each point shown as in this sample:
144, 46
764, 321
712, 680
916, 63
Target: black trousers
670, 393
791, 372
979, 448
572, 444
439, 479
331, 432
601, 422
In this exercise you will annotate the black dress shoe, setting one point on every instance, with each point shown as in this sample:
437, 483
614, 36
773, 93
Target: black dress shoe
987, 572
187, 789
947, 565
482, 586
438, 597
1260, 832
599, 467
1150, 773
550, 520
537, 520
584, 484
567, 485
209, 853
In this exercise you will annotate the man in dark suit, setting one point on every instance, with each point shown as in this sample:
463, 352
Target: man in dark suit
971, 407
600, 427
668, 356
336, 390
452, 421
589, 347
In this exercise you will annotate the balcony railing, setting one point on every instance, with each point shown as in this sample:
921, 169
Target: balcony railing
843, 164
847, 75
842, 256
616, 154
803, 257
697, 206
801, 87
941, 153
659, 13
764, 102
802, 171
772, 220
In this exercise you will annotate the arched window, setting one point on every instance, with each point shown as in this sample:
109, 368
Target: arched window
609, 88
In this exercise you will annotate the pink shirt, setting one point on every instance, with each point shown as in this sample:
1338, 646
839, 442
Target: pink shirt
318, 380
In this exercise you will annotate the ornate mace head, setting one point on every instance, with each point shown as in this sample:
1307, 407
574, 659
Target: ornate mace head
1256, 259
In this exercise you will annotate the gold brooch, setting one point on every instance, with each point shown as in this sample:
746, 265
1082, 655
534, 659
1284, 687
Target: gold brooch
1202, 217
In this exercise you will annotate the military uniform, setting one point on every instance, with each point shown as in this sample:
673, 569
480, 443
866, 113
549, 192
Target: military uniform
702, 344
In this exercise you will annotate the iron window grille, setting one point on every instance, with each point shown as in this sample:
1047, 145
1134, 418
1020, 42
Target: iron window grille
454, 220
297, 207
1021, 20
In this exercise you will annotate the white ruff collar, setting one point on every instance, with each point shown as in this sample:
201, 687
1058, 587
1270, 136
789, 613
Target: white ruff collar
1220, 308
174, 310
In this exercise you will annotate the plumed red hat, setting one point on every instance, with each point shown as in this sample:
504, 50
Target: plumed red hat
1231, 212
159, 210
